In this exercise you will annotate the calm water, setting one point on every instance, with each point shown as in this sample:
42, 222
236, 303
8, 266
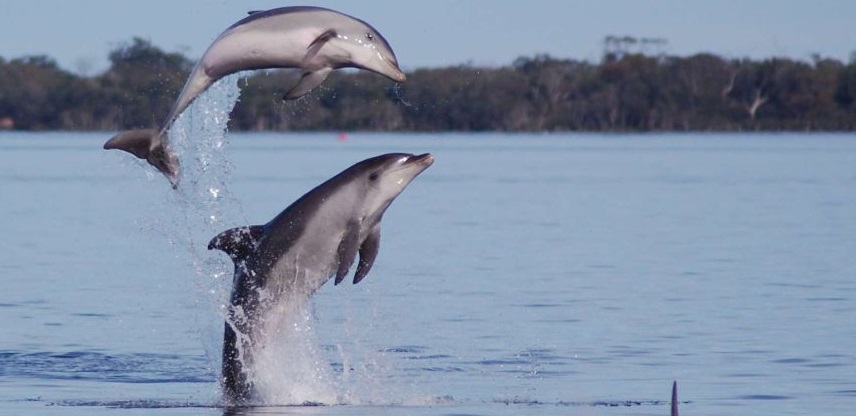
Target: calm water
529, 274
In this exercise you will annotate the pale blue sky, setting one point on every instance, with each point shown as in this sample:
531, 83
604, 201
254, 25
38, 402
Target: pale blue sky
80, 33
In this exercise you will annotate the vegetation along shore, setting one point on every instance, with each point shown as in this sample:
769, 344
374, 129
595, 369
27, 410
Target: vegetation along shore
626, 91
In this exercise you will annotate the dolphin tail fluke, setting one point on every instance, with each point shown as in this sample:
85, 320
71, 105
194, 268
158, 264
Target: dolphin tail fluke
674, 398
136, 142
148, 144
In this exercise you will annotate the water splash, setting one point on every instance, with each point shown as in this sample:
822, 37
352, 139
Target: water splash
204, 202
289, 368
400, 97
199, 137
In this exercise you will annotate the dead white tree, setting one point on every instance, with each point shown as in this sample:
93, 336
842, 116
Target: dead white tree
759, 100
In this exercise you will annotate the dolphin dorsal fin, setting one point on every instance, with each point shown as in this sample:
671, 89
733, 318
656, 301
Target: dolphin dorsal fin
238, 242
674, 411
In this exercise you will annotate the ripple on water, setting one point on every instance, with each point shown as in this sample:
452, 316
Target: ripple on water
764, 397
96, 366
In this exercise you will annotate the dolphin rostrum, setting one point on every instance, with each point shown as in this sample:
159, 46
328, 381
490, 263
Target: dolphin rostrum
313, 39
289, 258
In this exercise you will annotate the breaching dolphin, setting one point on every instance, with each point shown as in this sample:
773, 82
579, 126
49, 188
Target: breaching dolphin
314, 39
289, 258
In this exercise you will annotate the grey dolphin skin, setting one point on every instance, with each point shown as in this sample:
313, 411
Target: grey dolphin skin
317, 237
674, 407
313, 39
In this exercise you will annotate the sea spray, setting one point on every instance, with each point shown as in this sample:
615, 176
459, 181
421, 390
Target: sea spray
289, 367
204, 203
368, 372
365, 368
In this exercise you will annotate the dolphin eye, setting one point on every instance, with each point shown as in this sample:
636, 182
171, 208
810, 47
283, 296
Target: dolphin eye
369, 36
373, 176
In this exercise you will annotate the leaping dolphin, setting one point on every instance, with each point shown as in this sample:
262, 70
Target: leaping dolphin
314, 39
289, 258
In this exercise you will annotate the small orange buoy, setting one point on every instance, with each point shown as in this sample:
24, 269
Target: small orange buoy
343, 136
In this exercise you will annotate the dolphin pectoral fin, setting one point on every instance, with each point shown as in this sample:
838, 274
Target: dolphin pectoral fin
347, 251
136, 142
368, 254
307, 83
316, 45
312, 79
238, 242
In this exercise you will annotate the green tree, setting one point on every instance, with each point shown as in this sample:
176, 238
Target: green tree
142, 83
33, 91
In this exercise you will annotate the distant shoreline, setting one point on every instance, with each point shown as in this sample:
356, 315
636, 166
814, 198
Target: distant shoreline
625, 92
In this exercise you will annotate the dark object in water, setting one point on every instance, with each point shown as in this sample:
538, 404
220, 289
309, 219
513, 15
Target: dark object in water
674, 398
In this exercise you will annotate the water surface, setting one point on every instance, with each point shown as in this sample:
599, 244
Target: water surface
520, 274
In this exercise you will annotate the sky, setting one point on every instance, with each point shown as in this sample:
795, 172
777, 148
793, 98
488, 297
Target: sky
79, 34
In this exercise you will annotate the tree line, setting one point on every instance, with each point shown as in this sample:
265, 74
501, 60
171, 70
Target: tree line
626, 91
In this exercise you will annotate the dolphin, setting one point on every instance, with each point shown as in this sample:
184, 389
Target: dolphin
674, 407
313, 39
292, 256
